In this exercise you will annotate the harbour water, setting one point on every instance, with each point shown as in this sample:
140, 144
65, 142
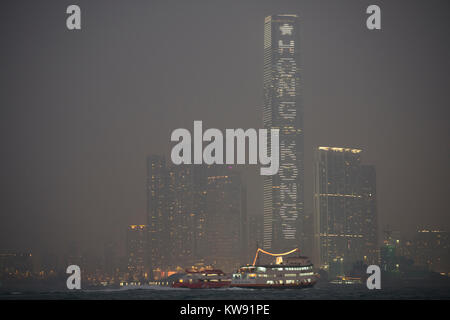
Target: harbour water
322, 291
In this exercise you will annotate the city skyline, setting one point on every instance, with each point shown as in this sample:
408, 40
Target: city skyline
75, 170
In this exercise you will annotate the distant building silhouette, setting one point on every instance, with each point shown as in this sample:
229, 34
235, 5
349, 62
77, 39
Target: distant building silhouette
427, 251
110, 258
137, 251
391, 251
432, 250
12, 263
368, 191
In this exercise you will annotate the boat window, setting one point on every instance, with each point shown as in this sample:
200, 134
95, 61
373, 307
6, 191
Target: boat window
261, 269
290, 281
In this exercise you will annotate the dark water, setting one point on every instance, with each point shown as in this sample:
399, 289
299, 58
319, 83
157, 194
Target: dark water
321, 291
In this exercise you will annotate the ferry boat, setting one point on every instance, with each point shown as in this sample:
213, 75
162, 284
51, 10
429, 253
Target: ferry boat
286, 273
203, 278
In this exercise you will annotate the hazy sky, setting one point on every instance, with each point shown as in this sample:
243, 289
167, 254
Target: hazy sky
80, 111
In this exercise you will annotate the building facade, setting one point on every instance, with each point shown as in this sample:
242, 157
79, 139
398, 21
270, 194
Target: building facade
196, 215
170, 213
180, 210
225, 223
345, 217
157, 214
284, 221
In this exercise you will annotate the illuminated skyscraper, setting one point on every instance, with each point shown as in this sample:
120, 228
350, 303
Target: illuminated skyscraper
345, 216
284, 218
157, 215
180, 208
337, 211
170, 213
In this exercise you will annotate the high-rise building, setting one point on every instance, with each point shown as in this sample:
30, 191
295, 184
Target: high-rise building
137, 251
171, 213
201, 174
345, 217
284, 218
225, 219
157, 213
180, 208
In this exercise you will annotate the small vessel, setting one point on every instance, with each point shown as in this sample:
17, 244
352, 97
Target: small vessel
286, 273
203, 278
346, 280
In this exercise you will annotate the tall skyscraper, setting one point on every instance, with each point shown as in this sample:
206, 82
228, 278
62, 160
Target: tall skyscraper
201, 174
180, 209
171, 215
157, 215
338, 219
345, 217
284, 220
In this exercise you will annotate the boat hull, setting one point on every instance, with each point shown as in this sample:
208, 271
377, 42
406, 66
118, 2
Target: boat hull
273, 286
202, 285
